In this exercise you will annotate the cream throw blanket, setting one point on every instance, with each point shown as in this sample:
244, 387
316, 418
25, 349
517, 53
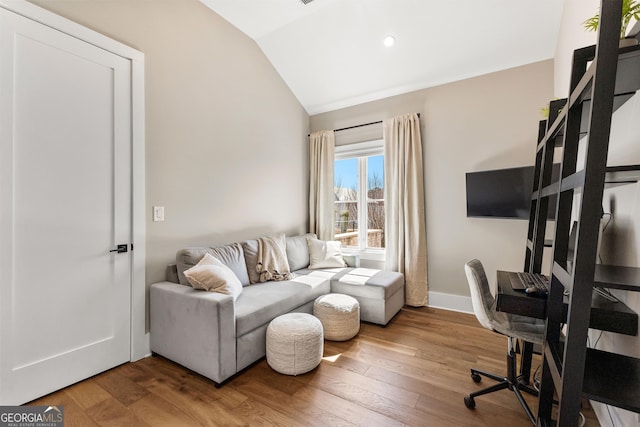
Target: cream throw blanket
272, 259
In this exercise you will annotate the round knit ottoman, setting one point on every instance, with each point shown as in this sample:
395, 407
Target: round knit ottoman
339, 314
294, 343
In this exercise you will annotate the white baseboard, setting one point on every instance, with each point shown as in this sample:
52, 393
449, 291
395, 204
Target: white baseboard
450, 302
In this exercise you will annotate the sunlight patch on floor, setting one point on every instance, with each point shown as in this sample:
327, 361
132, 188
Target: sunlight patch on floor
332, 359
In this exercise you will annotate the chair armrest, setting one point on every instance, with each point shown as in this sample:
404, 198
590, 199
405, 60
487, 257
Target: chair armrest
194, 328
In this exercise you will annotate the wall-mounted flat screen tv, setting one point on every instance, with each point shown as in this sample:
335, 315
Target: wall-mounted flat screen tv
502, 193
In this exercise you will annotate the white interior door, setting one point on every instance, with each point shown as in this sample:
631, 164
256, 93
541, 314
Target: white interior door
65, 202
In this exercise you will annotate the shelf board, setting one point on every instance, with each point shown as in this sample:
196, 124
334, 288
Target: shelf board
618, 101
607, 315
609, 378
617, 277
612, 379
614, 175
622, 174
627, 77
627, 84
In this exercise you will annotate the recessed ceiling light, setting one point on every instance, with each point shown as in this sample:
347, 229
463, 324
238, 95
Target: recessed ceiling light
389, 41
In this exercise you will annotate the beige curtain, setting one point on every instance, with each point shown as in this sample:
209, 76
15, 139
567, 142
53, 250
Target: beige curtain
405, 224
321, 192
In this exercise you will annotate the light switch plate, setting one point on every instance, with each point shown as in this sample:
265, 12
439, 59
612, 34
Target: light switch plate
158, 213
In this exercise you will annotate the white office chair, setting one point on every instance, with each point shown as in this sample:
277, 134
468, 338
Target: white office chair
514, 327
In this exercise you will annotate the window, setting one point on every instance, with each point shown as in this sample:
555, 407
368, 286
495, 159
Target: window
359, 191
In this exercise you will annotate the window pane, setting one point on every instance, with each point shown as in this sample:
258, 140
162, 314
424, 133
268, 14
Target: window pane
345, 178
375, 202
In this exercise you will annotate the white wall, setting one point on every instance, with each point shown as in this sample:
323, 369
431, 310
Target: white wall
487, 122
226, 146
572, 36
621, 239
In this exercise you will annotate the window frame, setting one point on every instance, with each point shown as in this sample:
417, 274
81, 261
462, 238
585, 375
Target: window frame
361, 151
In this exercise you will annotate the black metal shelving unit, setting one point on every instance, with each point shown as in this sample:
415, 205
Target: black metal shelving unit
603, 78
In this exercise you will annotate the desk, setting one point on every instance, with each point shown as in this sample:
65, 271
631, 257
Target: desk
605, 315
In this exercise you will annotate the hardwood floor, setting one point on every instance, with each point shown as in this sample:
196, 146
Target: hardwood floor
414, 372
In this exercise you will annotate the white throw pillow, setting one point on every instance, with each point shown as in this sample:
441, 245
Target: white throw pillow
324, 254
210, 274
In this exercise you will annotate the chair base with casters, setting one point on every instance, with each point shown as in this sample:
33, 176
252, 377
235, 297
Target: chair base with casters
512, 381
526, 329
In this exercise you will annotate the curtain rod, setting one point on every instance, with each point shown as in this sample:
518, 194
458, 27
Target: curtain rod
358, 126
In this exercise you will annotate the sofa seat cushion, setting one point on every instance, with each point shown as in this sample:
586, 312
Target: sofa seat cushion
262, 302
360, 282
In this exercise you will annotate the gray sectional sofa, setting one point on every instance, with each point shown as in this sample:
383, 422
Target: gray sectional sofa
214, 336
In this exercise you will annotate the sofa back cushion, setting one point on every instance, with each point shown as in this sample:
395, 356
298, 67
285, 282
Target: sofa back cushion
298, 251
297, 254
250, 249
230, 255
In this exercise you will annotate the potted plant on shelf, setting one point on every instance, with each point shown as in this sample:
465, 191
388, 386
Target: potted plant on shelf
630, 9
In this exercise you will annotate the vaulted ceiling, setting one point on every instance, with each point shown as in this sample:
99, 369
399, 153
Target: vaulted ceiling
331, 52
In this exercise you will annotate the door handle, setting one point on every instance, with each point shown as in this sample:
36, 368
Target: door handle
121, 248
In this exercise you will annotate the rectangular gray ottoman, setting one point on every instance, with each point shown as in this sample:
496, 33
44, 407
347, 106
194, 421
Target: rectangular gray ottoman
380, 293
